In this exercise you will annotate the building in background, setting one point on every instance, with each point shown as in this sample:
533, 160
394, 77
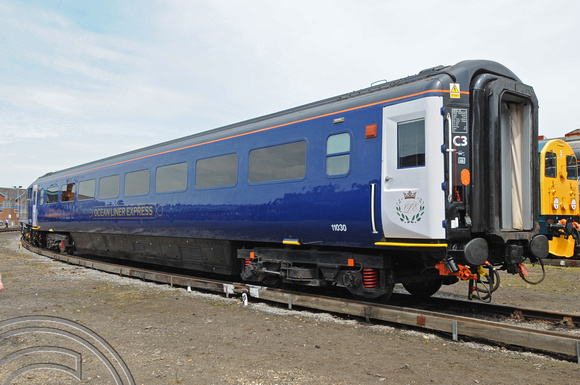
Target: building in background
13, 206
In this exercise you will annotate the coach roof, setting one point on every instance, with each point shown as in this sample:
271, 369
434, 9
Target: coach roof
426, 81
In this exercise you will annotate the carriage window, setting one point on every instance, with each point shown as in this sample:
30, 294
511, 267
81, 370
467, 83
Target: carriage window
550, 164
52, 194
137, 183
109, 187
171, 178
67, 192
572, 167
217, 171
285, 161
87, 190
338, 154
411, 143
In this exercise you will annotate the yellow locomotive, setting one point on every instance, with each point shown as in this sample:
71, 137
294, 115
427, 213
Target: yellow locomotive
559, 206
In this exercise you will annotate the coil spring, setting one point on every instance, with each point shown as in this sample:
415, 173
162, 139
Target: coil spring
370, 278
248, 260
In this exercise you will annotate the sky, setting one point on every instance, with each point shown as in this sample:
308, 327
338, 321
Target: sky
81, 80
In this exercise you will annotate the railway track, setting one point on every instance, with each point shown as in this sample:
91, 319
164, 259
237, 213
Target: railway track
565, 321
560, 343
562, 262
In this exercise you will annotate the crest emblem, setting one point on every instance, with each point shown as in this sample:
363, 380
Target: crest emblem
410, 208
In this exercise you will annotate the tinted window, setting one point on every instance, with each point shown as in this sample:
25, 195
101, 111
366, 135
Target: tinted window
137, 183
41, 197
216, 171
171, 178
67, 192
52, 194
109, 187
286, 161
87, 189
411, 143
572, 167
550, 163
338, 154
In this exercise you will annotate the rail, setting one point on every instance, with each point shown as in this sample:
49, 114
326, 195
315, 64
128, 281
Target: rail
562, 262
9, 229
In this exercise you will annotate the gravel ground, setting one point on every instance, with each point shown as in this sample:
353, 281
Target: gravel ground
171, 336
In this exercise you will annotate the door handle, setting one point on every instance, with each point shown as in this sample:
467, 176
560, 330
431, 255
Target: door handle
388, 178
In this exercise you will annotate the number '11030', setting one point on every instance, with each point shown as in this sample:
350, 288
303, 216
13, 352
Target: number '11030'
338, 227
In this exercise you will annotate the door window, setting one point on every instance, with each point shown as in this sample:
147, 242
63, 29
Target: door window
411, 143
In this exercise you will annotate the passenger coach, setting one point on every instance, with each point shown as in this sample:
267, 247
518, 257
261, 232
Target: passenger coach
419, 181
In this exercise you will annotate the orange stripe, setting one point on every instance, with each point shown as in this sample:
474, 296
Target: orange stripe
257, 131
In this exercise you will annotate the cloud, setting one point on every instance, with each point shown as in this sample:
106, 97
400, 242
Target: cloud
108, 77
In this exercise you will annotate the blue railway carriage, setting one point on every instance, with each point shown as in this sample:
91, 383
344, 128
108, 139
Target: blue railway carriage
416, 181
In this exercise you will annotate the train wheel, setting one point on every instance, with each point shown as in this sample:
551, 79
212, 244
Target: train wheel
274, 281
389, 286
423, 289
382, 295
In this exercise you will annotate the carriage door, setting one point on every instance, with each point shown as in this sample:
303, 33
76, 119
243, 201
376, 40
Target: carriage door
516, 166
34, 198
413, 203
